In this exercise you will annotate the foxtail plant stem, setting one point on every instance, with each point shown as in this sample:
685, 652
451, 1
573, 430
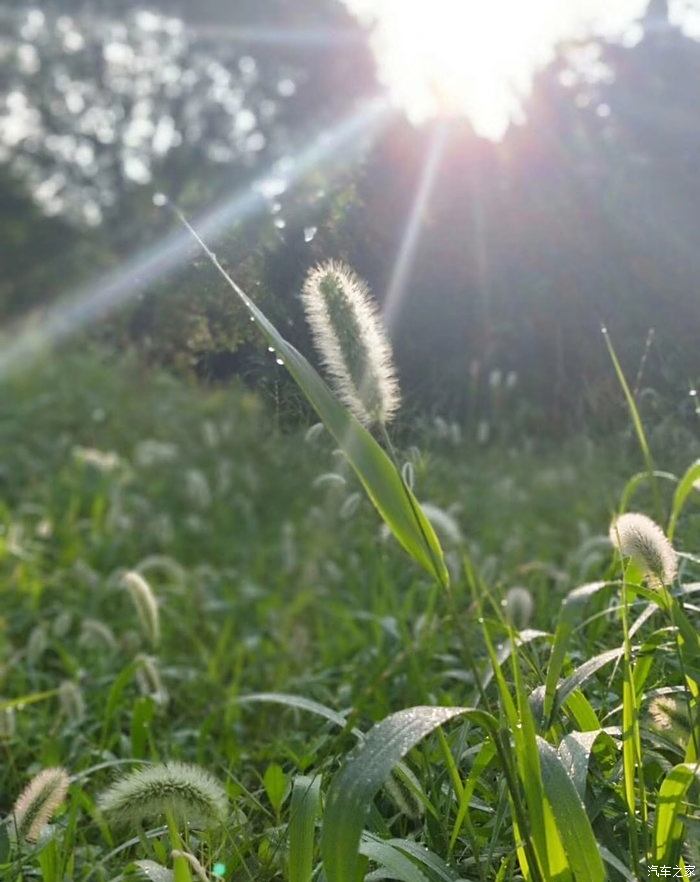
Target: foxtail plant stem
638, 425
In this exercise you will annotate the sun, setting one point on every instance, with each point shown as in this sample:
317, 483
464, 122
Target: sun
477, 58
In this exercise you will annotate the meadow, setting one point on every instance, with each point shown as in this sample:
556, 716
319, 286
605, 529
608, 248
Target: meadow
191, 576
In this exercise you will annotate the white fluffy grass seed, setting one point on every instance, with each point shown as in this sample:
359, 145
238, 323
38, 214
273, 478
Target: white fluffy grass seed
352, 342
38, 802
642, 540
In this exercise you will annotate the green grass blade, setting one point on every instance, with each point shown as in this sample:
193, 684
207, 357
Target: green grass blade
394, 501
382, 852
568, 617
576, 679
363, 773
685, 486
306, 801
438, 869
575, 752
668, 825
636, 419
295, 701
570, 816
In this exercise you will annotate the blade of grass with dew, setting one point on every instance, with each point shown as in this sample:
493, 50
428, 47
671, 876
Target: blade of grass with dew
150, 870
295, 701
306, 802
383, 483
668, 824
31, 698
576, 679
424, 857
382, 852
363, 773
574, 751
575, 831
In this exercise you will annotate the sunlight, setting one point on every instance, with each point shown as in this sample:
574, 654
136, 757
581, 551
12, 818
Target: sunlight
95, 301
409, 241
478, 59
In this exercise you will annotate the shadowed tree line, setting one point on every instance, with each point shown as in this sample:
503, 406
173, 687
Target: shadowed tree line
585, 215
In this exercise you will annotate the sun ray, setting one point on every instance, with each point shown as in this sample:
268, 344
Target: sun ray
409, 241
28, 338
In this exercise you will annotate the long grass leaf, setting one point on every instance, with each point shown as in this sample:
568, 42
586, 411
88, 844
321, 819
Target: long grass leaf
572, 822
306, 800
383, 484
668, 824
363, 773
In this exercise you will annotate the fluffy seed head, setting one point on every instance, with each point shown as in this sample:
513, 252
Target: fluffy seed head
352, 342
145, 604
149, 680
519, 607
70, 697
669, 715
636, 536
95, 633
38, 802
192, 795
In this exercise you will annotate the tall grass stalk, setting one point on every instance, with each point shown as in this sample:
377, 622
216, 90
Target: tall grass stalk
637, 423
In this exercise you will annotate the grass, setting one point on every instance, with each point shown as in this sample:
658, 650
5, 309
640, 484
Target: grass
289, 625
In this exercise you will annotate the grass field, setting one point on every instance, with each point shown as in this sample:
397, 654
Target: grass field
272, 574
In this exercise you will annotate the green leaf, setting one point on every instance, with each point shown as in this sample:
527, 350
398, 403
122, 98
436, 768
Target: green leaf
683, 490
575, 752
152, 871
382, 852
306, 800
576, 679
574, 828
276, 785
141, 719
296, 701
363, 773
31, 698
423, 856
668, 825
394, 501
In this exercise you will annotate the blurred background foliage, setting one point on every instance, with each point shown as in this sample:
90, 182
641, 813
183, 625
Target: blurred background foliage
584, 215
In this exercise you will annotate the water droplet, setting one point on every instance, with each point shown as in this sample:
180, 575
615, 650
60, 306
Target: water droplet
252, 318
280, 223
270, 348
309, 233
279, 360
160, 199
693, 393
603, 329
